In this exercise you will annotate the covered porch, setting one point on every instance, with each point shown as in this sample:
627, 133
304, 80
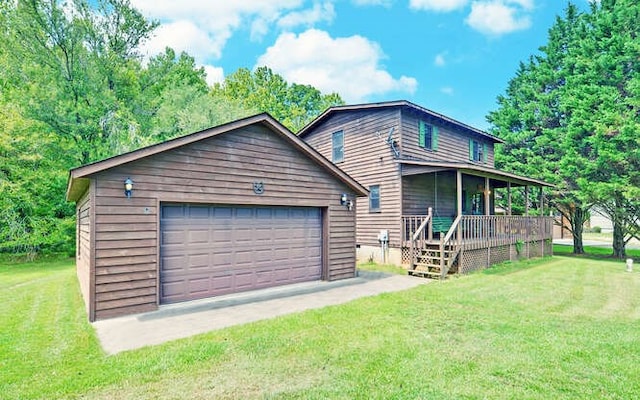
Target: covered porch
459, 217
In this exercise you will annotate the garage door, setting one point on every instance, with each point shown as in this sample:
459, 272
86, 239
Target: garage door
213, 250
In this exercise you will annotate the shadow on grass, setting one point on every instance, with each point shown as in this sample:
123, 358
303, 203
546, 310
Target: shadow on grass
593, 252
17, 264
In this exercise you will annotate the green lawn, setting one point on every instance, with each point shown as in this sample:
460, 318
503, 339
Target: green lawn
560, 328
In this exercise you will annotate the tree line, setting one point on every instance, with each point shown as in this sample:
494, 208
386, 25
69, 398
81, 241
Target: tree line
74, 89
571, 116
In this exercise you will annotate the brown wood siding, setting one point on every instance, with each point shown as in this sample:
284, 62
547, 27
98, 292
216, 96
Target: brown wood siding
419, 194
368, 159
453, 143
83, 243
218, 170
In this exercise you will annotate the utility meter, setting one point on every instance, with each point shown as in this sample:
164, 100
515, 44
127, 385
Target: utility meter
383, 236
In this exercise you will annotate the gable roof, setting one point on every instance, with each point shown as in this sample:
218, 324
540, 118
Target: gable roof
391, 104
79, 177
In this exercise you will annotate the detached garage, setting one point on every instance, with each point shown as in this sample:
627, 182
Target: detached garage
242, 206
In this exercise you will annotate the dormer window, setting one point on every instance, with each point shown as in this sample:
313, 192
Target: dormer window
427, 136
477, 151
337, 142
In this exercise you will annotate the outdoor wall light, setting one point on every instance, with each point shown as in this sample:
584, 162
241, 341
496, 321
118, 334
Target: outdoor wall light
345, 201
128, 187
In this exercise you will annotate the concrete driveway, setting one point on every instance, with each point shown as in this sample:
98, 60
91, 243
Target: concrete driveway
182, 320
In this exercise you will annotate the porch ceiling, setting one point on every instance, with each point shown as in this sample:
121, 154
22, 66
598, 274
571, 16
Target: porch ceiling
414, 167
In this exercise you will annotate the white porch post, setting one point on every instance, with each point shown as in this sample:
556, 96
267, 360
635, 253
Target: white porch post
487, 196
509, 212
542, 232
459, 208
526, 200
459, 192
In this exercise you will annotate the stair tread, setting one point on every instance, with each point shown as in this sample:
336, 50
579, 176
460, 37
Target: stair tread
414, 272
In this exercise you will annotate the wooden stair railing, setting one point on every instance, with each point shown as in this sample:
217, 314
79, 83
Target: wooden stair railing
418, 240
434, 260
450, 247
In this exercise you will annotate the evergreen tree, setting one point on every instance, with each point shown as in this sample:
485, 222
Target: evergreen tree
571, 116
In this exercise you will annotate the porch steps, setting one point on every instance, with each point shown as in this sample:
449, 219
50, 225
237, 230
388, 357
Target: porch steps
428, 262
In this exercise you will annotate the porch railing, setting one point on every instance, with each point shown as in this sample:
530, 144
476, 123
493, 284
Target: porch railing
481, 231
478, 231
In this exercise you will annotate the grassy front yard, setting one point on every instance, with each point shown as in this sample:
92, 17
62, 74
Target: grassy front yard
552, 329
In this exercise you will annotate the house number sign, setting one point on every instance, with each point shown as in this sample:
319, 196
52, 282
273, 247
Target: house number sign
258, 187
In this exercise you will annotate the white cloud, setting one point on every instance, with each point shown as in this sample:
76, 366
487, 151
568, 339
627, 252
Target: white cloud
319, 12
439, 60
526, 4
437, 5
183, 35
496, 17
349, 66
211, 22
214, 74
384, 3
448, 90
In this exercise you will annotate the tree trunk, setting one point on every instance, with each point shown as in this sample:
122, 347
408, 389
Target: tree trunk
577, 226
619, 250
578, 247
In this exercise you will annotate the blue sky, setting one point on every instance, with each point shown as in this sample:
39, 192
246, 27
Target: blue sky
451, 56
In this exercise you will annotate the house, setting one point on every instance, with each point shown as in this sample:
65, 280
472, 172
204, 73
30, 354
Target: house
433, 189
237, 207
599, 220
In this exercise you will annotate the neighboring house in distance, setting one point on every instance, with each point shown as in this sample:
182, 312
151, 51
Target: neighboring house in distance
413, 160
598, 218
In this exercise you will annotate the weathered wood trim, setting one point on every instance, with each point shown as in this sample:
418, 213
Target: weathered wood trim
326, 241
248, 201
401, 135
159, 257
92, 251
125, 310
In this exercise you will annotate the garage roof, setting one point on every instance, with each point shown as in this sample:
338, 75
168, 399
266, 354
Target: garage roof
79, 181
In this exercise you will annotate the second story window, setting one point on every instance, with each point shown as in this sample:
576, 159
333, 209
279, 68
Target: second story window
427, 136
374, 198
477, 151
337, 142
